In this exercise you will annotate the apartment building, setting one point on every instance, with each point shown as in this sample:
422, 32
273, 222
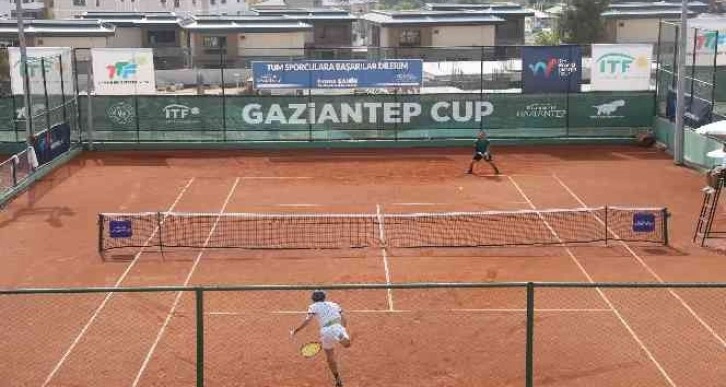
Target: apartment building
62, 9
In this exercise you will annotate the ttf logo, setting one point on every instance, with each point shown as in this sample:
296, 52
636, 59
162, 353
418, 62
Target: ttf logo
179, 112
547, 67
122, 69
619, 63
709, 40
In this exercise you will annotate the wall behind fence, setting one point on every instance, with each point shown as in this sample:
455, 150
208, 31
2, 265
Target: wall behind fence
371, 117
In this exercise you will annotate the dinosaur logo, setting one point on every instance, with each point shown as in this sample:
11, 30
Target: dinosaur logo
607, 109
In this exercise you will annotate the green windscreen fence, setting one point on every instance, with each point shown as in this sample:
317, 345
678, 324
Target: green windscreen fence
349, 117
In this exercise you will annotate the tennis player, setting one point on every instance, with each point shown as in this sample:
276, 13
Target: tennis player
482, 152
332, 329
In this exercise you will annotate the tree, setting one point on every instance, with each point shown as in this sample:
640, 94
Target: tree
582, 21
547, 38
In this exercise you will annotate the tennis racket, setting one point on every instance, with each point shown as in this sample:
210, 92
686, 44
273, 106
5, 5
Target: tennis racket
310, 349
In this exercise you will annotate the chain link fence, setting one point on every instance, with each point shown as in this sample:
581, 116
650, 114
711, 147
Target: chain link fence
466, 334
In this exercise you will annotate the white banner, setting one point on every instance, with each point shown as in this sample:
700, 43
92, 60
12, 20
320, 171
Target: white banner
620, 67
123, 71
58, 70
710, 43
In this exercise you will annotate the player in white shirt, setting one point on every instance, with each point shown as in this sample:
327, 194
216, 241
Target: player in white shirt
332, 328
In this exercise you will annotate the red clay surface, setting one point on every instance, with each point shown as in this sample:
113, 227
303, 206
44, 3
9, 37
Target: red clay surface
613, 337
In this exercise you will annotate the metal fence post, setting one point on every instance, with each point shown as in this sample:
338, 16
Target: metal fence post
224, 96
199, 296
45, 93
529, 354
63, 89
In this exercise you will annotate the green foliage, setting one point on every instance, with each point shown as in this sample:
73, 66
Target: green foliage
545, 38
582, 23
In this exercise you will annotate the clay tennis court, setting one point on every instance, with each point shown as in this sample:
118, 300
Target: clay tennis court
402, 337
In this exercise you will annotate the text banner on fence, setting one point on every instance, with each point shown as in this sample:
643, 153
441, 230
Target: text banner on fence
551, 69
516, 112
123, 71
621, 67
338, 74
57, 61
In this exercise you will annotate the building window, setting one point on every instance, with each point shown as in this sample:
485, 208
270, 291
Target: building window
98, 3
409, 38
214, 42
176, 4
78, 3
212, 2
162, 37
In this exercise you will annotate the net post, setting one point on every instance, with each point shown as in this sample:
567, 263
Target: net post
199, 310
529, 352
607, 211
100, 236
666, 215
160, 233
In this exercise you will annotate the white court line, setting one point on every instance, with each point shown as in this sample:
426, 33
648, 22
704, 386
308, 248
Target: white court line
298, 205
388, 311
120, 279
276, 177
600, 292
382, 232
647, 267
186, 282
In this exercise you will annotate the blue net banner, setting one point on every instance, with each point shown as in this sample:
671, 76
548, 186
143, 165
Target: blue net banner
643, 222
120, 229
556, 69
337, 74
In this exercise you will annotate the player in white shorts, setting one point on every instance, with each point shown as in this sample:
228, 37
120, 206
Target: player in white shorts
332, 328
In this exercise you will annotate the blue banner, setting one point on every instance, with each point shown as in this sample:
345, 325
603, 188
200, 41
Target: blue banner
120, 229
338, 74
52, 143
643, 222
551, 69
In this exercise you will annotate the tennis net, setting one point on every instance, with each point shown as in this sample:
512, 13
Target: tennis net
342, 231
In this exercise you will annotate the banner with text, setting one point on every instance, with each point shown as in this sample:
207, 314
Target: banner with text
551, 69
123, 71
55, 62
540, 114
338, 74
621, 67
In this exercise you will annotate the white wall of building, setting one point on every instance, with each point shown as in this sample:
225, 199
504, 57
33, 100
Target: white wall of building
126, 37
72, 42
277, 44
66, 9
637, 31
449, 36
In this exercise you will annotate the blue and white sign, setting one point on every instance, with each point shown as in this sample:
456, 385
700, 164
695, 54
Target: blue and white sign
643, 222
338, 74
551, 69
120, 229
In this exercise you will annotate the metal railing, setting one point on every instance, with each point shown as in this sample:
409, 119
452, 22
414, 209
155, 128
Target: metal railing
475, 333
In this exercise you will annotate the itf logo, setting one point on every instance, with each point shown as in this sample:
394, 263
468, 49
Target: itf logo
179, 112
614, 64
122, 69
